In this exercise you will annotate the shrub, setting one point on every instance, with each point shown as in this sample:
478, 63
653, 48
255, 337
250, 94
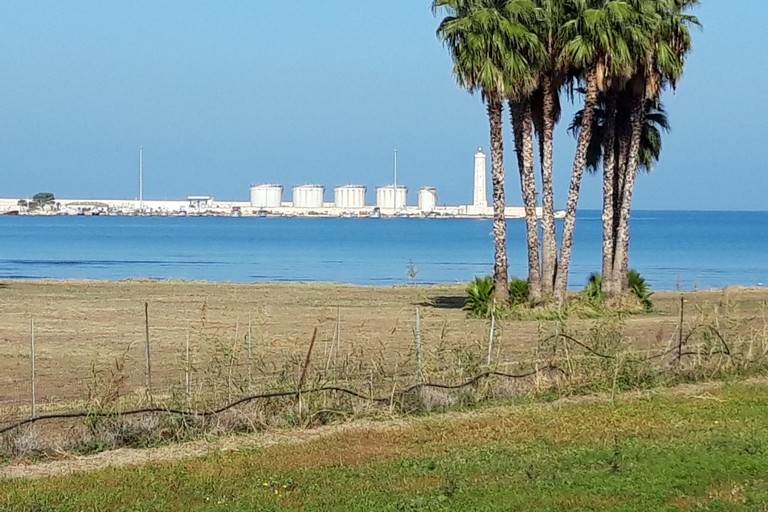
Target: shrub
594, 288
518, 291
480, 297
637, 286
640, 289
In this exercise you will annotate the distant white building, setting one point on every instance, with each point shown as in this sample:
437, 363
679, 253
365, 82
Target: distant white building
349, 197
266, 195
200, 202
479, 204
427, 199
391, 197
308, 196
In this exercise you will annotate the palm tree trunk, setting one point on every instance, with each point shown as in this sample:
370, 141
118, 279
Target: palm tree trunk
548, 232
500, 261
579, 161
608, 283
621, 260
522, 122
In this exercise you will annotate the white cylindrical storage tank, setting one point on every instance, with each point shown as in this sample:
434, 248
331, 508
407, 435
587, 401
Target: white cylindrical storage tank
349, 196
390, 197
308, 196
266, 195
427, 199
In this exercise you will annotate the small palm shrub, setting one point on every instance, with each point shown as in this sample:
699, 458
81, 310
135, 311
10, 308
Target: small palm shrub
594, 288
637, 285
518, 291
640, 289
480, 297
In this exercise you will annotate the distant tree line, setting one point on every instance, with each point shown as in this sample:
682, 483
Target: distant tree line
38, 201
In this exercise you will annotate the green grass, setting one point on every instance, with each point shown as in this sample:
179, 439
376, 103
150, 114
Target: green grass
708, 451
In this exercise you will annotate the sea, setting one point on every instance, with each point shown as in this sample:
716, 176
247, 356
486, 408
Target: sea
673, 250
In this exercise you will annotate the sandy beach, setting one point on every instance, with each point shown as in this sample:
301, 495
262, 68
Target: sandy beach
83, 327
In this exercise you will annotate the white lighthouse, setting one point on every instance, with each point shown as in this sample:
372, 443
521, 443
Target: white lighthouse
479, 204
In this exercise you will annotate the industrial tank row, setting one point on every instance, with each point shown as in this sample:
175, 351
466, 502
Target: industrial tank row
347, 197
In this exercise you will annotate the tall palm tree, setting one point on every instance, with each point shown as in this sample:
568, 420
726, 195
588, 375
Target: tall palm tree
523, 80
545, 103
660, 66
611, 152
598, 38
480, 35
522, 129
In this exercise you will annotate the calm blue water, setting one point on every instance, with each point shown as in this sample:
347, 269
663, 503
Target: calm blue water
671, 249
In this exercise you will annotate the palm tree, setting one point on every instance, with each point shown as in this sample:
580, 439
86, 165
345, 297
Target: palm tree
529, 57
599, 36
660, 66
656, 122
488, 45
545, 103
612, 153
522, 129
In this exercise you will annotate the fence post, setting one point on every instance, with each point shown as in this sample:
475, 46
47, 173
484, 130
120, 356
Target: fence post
32, 358
490, 336
417, 349
147, 357
250, 351
680, 331
305, 366
187, 369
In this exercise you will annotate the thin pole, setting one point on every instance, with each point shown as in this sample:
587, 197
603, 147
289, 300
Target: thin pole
148, 373
491, 334
250, 351
141, 178
395, 184
32, 356
417, 348
680, 331
187, 368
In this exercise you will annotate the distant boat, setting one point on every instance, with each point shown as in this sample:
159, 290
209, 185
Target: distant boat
11, 212
375, 214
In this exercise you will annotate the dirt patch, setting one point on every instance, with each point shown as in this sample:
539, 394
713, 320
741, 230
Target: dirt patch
84, 329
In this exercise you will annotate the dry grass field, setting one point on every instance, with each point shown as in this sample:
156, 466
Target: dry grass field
84, 328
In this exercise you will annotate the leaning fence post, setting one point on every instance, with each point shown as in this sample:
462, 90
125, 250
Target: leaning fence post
148, 361
32, 358
305, 366
491, 334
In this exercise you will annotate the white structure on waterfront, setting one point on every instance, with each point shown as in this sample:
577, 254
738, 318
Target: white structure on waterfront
427, 199
308, 196
349, 197
266, 195
391, 197
480, 197
479, 204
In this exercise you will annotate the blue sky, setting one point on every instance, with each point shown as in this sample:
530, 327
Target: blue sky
225, 94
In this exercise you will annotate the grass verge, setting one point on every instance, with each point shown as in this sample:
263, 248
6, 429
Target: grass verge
655, 451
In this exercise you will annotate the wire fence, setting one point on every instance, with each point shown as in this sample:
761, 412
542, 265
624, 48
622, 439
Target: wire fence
209, 374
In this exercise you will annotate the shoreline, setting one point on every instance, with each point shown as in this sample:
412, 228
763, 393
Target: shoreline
459, 285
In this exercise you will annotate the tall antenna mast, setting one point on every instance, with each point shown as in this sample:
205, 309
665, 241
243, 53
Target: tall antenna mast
141, 178
394, 195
